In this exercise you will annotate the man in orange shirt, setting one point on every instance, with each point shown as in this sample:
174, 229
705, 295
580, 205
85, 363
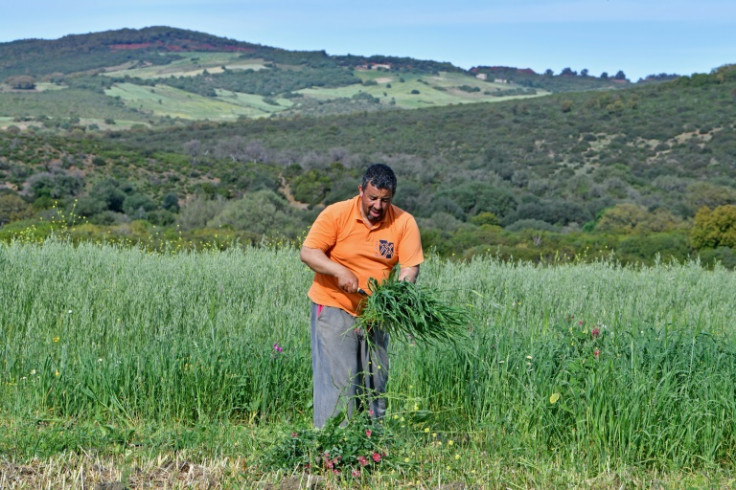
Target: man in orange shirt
350, 242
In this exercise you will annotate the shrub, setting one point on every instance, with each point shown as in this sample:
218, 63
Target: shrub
112, 193
53, 185
198, 212
530, 224
13, 208
137, 205
262, 212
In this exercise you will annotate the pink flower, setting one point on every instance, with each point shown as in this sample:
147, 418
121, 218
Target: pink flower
595, 332
362, 460
356, 473
370, 412
368, 433
294, 435
580, 322
277, 348
376, 457
597, 353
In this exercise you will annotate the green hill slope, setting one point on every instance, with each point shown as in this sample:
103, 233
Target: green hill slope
217, 144
192, 75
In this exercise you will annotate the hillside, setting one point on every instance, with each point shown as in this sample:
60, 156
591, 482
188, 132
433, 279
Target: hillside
634, 170
566, 172
161, 75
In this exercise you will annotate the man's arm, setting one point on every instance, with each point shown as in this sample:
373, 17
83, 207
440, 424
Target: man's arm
409, 273
318, 261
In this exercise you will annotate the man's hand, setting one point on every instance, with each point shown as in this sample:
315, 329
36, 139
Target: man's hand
347, 281
318, 261
409, 273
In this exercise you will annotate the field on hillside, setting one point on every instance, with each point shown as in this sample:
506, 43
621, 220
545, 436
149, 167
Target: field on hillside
143, 364
407, 91
191, 64
62, 105
162, 100
412, 91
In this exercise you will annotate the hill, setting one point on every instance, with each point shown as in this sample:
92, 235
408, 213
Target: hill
635, 169
160, 75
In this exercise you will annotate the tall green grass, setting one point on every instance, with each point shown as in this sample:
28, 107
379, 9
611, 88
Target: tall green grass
108, 332
589, 363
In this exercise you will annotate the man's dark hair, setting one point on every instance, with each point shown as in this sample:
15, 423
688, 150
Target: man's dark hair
381, 176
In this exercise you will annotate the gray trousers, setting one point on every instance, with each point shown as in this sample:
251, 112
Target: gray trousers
349, 376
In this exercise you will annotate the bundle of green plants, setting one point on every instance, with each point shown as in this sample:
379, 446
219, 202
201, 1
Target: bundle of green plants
408, 311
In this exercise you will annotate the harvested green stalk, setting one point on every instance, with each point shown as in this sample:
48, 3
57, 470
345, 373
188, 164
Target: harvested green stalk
408, 311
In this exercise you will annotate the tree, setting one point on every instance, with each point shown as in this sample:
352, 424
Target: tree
171, 202
21, 82
619, 75
193, 148
714, 228
112, 193
622, 218
198, 212
88, 206
706, 194
138, 205
627, 218
485, 218
475, 197
311, 187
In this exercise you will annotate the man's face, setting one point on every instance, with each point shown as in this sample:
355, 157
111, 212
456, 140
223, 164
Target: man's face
374, 202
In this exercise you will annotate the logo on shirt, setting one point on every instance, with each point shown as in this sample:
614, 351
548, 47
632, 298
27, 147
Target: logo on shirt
386, 248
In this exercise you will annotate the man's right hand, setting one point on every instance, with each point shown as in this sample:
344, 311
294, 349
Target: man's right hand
347, 281
318, 261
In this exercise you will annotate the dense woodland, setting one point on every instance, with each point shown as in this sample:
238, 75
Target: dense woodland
642, 171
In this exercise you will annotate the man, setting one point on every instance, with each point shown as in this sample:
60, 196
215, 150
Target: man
350, 242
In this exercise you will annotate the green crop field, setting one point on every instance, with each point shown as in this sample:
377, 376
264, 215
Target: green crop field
190, 64
163, 100
189, 369
61, 104
411, 91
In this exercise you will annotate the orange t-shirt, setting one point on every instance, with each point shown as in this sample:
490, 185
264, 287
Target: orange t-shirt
340, 232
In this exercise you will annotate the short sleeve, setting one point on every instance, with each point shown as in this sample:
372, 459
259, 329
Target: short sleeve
410, 246
323, 233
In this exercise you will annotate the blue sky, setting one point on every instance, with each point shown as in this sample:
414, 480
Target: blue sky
640, 37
